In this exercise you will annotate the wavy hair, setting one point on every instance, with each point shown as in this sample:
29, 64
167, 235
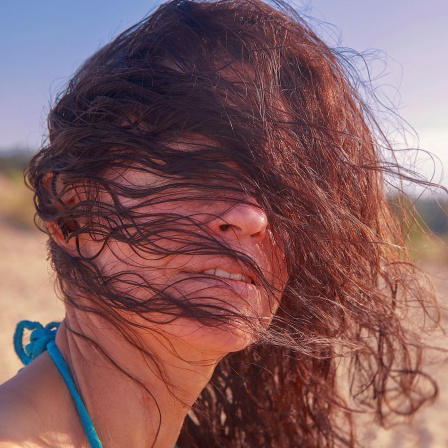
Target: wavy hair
267, 111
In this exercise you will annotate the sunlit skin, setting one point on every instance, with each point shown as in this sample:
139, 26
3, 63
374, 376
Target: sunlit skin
241, 226
188, 349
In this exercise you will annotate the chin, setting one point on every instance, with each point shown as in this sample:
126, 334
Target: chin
214, 341
237, 318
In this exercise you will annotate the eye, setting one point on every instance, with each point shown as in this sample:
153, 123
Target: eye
224, 227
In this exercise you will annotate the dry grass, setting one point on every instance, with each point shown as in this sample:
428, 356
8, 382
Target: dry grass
16, 201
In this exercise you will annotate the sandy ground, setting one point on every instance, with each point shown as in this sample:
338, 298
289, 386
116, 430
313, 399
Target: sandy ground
26, 292
26, 289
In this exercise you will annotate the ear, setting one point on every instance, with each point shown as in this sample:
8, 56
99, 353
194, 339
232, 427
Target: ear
63, 234
65, 198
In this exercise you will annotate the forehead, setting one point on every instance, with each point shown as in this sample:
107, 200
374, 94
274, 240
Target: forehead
199, 172
181, 158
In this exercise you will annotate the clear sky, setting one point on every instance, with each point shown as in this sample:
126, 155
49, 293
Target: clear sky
42, 42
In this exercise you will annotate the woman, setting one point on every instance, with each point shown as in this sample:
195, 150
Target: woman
213, 193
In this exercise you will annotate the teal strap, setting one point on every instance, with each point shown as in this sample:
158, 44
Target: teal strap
86, 421
39, 338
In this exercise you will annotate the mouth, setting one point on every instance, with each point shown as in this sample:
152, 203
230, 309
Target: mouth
221, 273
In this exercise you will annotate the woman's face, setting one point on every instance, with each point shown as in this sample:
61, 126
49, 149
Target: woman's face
176, 262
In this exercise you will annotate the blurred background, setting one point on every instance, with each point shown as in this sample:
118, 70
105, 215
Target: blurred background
404, 49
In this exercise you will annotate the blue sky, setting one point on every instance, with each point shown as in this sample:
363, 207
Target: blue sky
42, 43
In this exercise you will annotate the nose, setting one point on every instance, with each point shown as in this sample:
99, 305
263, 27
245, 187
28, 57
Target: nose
242, 221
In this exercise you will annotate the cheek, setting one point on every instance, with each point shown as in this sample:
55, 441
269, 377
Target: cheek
277, 273
133, 272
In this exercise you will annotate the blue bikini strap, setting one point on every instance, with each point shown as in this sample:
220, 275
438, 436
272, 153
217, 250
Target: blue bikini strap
39, 338
86, 421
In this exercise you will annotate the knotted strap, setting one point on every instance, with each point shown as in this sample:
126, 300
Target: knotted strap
39, 338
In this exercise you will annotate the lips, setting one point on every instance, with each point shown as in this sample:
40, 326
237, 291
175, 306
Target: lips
221, 273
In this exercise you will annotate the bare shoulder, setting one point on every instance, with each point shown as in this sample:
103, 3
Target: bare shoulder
14, 417
9, 444
24, 444
26, 402
19, 424
36, 409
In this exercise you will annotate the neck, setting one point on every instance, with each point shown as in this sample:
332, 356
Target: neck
132, 399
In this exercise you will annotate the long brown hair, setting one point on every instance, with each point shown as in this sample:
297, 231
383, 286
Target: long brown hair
275, 116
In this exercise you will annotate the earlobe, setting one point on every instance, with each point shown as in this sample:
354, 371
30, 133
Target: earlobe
62, 230
62, 235
67, 229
